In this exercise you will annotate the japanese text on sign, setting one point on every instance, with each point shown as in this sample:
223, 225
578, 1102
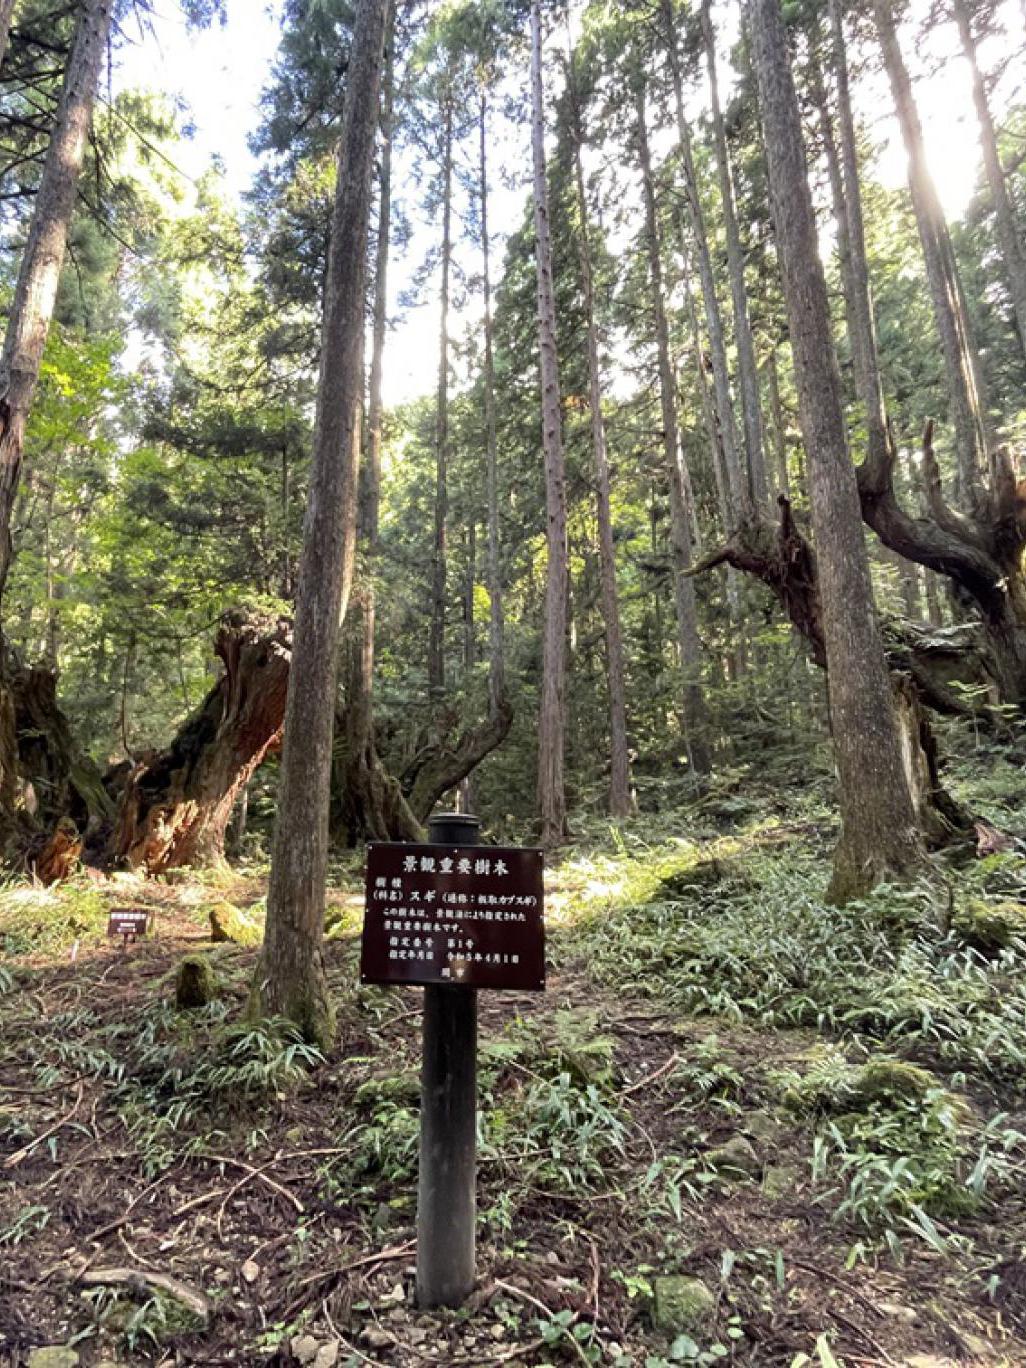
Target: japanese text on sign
447, 914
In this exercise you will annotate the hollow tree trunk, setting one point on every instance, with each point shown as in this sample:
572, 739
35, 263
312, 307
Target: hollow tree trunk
47, 785
43, 257
620, 802
290, 978
748, 372
175, 806
879, 834
695, 716
552, 717
1013, 254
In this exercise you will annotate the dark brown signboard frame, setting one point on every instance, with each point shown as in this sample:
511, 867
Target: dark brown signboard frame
128, 922
457, 915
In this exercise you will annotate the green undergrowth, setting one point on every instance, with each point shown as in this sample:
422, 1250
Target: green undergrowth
758, 944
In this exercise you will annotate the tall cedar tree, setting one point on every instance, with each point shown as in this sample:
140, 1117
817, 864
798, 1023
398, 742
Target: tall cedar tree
620, 801
552, 719
43, 257
290, 979
878, 827
681, 502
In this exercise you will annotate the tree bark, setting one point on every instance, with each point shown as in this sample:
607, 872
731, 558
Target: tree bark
174, 807
552, 718
981, 553
496, 626
695, 716
879, 835
779, 427
738, 483
290, 979
921, 669
942, 272
436, 645
368, 802
43, 257
6, 15
1009, 235
748, 371
858, 295
620, 802
444, 764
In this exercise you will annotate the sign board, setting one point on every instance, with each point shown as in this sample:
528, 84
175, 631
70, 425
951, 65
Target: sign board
128, 921
447, 914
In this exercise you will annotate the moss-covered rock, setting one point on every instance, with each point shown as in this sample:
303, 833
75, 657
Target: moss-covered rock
889, 1080
230, 923
706, 874
990, 926
681, 1305
781, 1180
738, 1155
402, 1089
196, 983
834, 1086
53, 1356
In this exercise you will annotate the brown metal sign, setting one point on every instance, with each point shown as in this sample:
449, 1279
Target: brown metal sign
468, 915
128, 921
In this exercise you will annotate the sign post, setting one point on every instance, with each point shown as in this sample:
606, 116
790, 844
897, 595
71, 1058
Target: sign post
447, 1177
453, 916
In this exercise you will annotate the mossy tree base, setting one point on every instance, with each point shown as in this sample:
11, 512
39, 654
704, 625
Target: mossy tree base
297, 990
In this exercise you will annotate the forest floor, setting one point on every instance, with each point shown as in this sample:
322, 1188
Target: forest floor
739, 1126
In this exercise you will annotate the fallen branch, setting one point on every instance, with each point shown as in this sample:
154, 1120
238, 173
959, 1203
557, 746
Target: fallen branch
142, 1277
651, 1078
13, 1160
256, 1173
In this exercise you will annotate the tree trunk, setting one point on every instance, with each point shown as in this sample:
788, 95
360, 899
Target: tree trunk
942, 272
496, 629
981, 553
175, 806
620, 802
748, 372
712, 427
368, 802
695, 717
43, 257
779, 427
552, 719
497, 662
6, 15
436, 645
290, 979
858, 294
1008, 234
879, 835
921, 668
444, 764
737, 483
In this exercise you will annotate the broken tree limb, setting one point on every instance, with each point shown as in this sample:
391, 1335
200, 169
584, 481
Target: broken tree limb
785, 561
141, 1278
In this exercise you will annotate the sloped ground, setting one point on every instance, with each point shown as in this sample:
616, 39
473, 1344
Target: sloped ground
739, 1126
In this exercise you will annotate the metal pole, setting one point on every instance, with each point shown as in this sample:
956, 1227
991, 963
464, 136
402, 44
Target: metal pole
446, 1187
